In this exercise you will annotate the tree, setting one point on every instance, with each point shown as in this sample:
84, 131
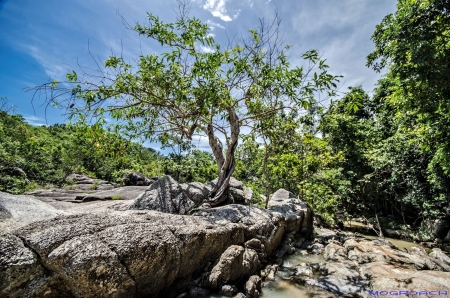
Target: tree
415, 44
196, 87
5, 107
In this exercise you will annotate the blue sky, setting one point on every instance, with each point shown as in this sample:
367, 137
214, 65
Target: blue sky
43, 40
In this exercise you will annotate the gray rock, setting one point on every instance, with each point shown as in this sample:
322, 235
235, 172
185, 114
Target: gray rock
447, 238
253, 243
248, 195
377, 265
23, 275
269, 272
240, 295
398, 234
228, 290
235, 263
164, 195
18, 211
303, 270
439, 255
4, 213
325, 233
195, 191
335, 252
69, 195
253, 286
136, 179
316, 248
420, 251
440, 228
14, 171
388, 275
120, 193
83, 182
234, 183
341, 278
297, 213
239, 193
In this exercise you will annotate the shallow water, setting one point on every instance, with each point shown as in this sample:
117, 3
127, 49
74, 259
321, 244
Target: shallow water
298, 258
399, 243
283, 288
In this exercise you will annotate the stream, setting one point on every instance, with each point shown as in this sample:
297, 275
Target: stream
282, 287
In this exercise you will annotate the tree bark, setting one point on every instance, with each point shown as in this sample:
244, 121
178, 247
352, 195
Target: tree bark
220, 192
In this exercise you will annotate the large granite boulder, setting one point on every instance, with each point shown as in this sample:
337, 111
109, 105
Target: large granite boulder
164, 195
136, 253
18, 211
235, 263
297, 212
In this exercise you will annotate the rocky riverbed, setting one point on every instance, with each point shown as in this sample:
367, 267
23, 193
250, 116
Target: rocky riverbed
161, 241
353, 266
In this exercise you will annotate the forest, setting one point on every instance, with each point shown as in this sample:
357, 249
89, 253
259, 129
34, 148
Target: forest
364, 153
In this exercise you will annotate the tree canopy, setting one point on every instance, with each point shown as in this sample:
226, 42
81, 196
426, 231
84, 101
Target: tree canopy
414, 43
197, 86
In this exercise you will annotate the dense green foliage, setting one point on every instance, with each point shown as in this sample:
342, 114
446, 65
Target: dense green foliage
46, 155
386, 154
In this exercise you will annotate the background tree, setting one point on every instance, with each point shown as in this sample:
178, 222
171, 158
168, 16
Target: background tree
415, 44
189, 90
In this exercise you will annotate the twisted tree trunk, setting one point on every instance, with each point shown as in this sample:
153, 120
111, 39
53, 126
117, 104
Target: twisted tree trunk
226, 165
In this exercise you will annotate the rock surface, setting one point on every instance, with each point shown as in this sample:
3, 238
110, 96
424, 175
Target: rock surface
253, 286
138, 253
235, 263
83, 182
297, 212
164, 195
119, 193
18, 211
136, 179
198, 192
358, 266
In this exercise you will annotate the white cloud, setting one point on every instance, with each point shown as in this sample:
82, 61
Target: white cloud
35, 121
217, 9
213, 25
206, 49
54, 69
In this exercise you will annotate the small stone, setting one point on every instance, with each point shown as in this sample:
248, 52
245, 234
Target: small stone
303, 270
316, 248
228, 290
303, 252
253, 286
253, 243
270, 271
